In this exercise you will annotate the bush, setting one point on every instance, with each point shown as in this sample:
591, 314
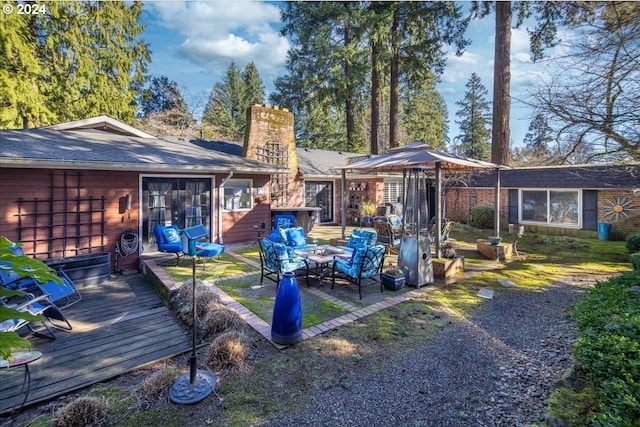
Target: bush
155, 388
635, 260
228, 351
633, 243
608, 347
85, 411
482, 216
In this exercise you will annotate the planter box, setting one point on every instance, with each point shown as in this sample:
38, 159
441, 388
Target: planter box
88, 269
393, 283
499, 252
446, 268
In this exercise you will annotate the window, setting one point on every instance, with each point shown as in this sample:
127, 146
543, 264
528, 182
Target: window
552, 207
237, 195
393, 191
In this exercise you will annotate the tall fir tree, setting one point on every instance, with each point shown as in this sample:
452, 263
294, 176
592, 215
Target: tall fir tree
230, 98
425, 114
90, 58
474, 123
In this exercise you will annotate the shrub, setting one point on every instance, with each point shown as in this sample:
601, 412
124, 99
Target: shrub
227, 351
182, 301
635, 260
218, 319
608, 347
85, 411
155, 388
482, 216
633, 243
448, 250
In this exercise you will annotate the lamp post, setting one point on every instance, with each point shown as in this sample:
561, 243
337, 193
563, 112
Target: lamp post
197, 385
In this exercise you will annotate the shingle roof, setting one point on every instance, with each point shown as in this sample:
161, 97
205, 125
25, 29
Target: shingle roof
321, 163
566, 176
98, 149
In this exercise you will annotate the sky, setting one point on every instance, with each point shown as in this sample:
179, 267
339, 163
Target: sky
194, 42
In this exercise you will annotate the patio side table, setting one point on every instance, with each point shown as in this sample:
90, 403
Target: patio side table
22, 358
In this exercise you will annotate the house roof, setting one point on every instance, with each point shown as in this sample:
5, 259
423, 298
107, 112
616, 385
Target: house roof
316, 163
596, 177
101, 144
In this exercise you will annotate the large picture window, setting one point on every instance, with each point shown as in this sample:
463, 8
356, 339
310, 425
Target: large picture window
552, 207
237, 195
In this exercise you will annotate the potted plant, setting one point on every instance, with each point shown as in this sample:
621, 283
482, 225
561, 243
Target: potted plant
367, 212
393, 277
495, 240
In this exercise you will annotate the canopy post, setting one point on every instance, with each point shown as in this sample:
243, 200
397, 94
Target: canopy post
438, 209
497, 204
343, 210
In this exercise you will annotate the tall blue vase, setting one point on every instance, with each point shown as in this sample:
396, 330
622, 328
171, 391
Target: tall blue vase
286, 325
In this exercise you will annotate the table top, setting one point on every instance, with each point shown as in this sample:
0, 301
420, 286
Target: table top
322, 253
21, 358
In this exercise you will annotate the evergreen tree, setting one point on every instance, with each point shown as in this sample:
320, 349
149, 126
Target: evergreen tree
537, 140
163, 108
425, 114
229, 100
90, 62
475, 120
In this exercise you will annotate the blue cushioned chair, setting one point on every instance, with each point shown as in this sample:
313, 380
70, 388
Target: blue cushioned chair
359, 237
168, 239
365, 264
277, 258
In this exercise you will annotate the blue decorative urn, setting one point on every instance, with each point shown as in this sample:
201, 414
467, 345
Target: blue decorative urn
286, 325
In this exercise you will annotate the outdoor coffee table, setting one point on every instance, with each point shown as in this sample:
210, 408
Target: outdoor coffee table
322, 256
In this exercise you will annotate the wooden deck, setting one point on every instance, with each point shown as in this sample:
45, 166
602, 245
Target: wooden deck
118, 326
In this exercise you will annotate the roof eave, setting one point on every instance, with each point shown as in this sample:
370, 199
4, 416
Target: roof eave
69, 164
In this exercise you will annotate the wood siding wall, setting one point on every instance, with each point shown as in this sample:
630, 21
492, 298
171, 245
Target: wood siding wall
72, 228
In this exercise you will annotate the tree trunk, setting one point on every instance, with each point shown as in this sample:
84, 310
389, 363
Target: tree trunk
375, 98
500, 133
350, 101
393, 84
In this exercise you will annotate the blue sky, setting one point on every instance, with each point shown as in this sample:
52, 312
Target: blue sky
193, 43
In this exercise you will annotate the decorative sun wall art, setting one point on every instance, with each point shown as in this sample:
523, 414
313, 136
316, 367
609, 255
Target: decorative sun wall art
618, 208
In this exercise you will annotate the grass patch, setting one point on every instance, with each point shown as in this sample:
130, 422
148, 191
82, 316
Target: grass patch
226, 266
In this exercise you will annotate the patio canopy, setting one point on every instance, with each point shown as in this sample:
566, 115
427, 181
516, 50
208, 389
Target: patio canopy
420, 154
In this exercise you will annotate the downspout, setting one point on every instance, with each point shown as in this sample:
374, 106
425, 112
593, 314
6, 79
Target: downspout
220, 201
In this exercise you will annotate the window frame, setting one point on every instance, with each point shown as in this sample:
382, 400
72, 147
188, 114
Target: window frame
229, 185
549, 217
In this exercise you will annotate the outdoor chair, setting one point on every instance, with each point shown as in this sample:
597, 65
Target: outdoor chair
365, 265
168, 239
276, 259
444, 232
387, 237
62, 294
37, 306
360, 237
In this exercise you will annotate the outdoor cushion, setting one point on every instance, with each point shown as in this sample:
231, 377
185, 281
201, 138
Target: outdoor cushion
171, 235
369, 235
295, 237
275, 236
287, 259
355, 241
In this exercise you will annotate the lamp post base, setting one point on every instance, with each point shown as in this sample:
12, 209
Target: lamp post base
182, 392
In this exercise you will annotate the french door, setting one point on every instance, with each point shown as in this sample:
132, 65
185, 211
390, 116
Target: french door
319, 194
182, 201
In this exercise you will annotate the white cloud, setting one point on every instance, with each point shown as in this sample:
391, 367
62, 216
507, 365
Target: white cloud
212, 34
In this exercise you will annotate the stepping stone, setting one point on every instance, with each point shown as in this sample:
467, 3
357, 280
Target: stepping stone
506, 283
485, 293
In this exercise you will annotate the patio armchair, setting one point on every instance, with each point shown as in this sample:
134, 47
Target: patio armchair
277, 258
387, 237
168, 239
365, 265
360, 237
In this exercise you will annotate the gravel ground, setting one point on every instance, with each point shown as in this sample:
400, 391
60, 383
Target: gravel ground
496, 369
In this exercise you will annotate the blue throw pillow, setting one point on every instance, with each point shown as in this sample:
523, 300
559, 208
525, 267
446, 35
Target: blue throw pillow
295, 237
355, 241
171, 235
